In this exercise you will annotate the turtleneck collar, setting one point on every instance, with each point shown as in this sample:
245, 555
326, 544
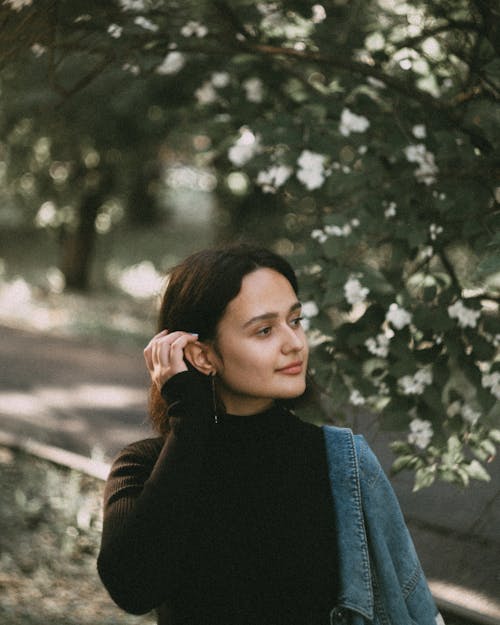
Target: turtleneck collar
271, 421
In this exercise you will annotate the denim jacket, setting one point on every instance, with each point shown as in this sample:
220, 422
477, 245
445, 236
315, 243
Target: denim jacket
381, 580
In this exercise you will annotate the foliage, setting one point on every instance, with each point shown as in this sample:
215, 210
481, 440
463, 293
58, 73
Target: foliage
374, 125
51, 523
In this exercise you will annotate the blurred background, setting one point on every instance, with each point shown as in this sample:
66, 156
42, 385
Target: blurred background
359, 139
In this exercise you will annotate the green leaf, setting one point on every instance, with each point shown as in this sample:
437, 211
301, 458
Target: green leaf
477, 472
494, 435
488, 447
403, 462
424, 477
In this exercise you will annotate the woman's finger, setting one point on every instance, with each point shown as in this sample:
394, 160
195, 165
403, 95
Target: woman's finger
164, 355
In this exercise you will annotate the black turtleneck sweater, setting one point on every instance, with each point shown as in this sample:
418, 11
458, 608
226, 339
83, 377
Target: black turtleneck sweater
227, 523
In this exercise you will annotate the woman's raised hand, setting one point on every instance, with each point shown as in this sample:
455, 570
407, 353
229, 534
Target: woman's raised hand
164, 355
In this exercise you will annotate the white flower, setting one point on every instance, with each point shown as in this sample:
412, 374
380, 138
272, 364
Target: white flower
172, 63
378, 346
454, 408
17, 5
245, 148
415, 384
146, 24
356, 399
273, 178
318, 13
466, 317
134, 69
312, 169
492, 381
354, 292
254, 89
434, 231
132, 5
333, 231
398, 317
419, 131
310, 309
469, 415
38, 49
421, 433
427, 252
390, 211
427, 169
115, 31
220, 79
319, 235
206, 94
195, 29
350, 122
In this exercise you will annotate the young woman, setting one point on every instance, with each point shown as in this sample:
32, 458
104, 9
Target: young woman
239, 513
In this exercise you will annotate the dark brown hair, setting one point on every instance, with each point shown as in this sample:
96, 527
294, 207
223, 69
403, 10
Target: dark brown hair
198, 292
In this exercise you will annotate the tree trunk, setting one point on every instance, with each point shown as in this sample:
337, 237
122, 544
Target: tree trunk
78, 244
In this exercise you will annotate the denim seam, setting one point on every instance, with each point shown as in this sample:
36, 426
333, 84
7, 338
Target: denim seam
360, 524
412, 582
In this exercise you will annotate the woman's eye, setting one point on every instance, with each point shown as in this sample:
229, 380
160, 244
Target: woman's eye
264, 331
296, 321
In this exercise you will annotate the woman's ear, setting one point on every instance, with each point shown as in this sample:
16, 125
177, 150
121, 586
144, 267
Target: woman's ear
199, 356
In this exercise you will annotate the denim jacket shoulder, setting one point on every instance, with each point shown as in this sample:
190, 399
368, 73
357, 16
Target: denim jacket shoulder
381, 580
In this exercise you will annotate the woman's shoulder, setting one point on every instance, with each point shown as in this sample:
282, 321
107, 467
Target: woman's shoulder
344, 440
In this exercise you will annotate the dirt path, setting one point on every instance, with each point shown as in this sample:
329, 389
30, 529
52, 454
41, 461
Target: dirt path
83, 397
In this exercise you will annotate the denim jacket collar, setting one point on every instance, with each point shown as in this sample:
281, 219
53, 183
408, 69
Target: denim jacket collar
355, 578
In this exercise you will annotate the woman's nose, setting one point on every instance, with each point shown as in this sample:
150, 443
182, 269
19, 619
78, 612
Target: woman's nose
293, 340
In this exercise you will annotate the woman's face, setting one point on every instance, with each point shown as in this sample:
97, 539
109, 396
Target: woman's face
262, 348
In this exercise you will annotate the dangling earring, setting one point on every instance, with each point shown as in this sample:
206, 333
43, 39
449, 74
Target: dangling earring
214, 398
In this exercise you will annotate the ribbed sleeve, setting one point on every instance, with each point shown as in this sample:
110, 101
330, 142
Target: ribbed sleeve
148, 503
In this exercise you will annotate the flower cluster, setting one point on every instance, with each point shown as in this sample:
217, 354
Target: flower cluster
273, 178
254, 89
415, 384
17, 5
390, 210
350, 122
356, 399
354, 292
427, 168
146, 24
309, 310
321, 235
171, 64
311, 171
378, 346
207, 94
466, 317
245, 147
468, 414
492, 381
115, 31
194, 29
421, 433
398, 317
419, 131
435, 231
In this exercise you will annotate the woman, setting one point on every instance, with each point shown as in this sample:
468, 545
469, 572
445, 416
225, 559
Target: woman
239, 513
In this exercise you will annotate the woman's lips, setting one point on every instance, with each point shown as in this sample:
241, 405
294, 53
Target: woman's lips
293, 368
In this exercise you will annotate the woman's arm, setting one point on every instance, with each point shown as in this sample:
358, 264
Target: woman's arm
149, 502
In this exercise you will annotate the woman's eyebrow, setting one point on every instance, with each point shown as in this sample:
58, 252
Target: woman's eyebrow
271, 315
